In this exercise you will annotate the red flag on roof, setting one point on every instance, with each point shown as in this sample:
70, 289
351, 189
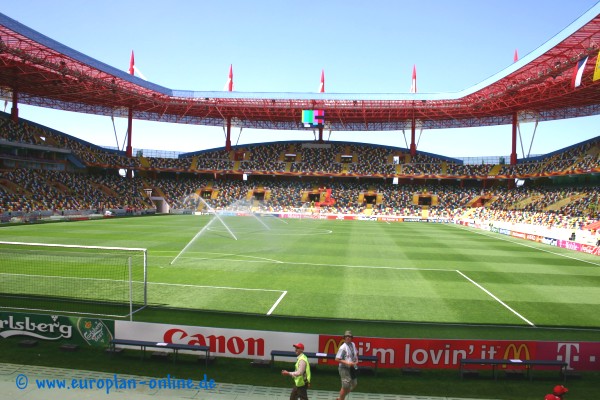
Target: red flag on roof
413, 86
322, 85
229, 84
516, 56
131, 64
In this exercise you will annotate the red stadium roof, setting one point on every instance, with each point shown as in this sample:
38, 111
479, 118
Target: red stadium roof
39, 71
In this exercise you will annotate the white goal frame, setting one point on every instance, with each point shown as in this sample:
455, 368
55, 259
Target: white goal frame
131, 301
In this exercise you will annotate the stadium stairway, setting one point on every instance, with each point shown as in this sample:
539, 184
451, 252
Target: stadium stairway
562, 203
20, 382
12, 187
75, 161
144, 162
593, 151
495, 170
105, 189
194, 164
158, 192
468, 213
521, 204
60, 187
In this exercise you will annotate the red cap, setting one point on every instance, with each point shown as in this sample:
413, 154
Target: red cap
299, 346
560, 389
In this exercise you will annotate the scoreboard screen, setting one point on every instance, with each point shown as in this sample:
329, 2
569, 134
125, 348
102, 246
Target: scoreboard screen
313, 118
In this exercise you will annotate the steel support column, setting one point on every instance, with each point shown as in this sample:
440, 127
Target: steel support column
14, 111
129, 149
413, 146
228, 135
513, 153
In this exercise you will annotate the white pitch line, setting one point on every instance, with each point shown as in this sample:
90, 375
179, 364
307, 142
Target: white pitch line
277, 302
293, 233
366, 266
190, 253
496, 298
214, 287
262, 259
525, 244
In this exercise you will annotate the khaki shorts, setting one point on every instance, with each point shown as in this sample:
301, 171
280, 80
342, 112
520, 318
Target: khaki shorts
347, 381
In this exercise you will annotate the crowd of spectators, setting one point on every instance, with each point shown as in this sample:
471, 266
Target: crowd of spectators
263, 158
361, 159
468, 169
99, 187
27, 190
372, 160
528, 168
90, 155
22, 133
182, 164
584, 157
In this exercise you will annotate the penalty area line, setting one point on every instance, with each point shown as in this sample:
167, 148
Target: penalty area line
277, 302
496, 298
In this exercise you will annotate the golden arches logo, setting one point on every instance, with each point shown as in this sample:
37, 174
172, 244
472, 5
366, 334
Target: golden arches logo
332, 343
513, 352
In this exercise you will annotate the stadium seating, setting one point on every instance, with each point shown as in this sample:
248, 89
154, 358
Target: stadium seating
36, 181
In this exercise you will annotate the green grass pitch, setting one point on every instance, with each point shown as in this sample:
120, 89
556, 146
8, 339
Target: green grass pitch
361, 270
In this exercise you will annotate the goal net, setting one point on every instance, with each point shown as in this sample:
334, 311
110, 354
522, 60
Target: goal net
88, 280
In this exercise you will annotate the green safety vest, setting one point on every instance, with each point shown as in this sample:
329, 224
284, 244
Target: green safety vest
300, 380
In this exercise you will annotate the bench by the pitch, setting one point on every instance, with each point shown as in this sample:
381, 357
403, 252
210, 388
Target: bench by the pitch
170, 346
328, 356
527, 364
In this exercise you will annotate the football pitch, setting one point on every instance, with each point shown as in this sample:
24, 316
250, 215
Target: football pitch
357, 270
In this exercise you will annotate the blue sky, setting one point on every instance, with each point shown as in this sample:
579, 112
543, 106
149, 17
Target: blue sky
282, 46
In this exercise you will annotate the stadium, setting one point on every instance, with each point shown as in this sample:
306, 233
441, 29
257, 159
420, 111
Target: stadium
245, 249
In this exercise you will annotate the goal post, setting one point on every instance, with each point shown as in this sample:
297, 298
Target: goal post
73, 279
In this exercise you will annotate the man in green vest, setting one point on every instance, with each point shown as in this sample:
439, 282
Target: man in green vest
301, 374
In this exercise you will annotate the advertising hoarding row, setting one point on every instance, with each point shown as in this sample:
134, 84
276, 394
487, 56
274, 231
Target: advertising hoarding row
564, 244
391, 352
255, 344
78, 330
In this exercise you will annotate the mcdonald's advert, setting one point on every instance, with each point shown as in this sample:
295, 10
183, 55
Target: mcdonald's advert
440, 354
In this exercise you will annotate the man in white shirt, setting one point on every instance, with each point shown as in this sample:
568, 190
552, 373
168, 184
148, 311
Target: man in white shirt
348, 359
